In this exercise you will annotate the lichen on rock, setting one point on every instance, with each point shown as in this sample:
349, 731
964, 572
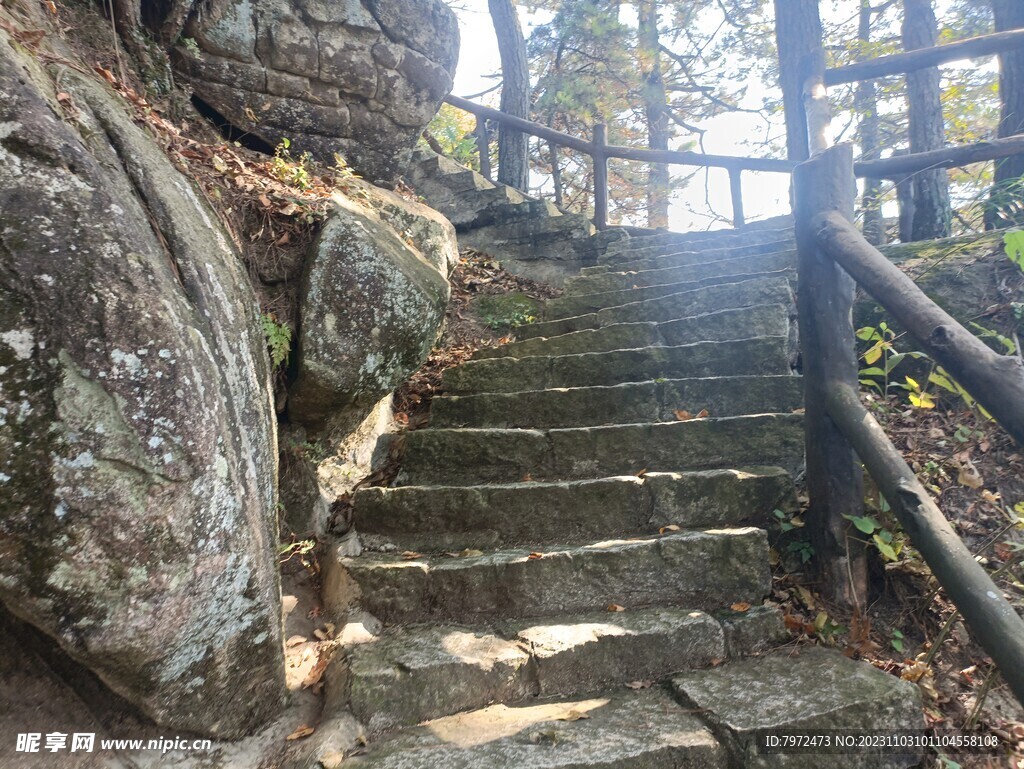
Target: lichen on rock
372, 305
137, 443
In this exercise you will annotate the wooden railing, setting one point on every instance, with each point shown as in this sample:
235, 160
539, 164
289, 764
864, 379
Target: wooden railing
600, 151
833, 257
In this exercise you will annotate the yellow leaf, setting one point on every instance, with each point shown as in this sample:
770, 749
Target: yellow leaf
872, 355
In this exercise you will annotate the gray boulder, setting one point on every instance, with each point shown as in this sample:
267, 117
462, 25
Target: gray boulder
372, 305
359, 77
137, 443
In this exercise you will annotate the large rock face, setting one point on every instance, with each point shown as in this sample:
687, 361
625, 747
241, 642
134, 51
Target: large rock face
359, 77
372, 305
137, 445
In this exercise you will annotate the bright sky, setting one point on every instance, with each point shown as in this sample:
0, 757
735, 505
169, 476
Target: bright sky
764, 195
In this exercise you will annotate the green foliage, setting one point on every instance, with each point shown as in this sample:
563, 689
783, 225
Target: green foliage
880, 350
279, 340
1014, 246
454, 129
797, 545
506, 310
290, 170
897, 641
885, 541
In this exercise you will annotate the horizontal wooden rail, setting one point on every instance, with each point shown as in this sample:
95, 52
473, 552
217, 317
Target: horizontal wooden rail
992, 620
948, 157
900, 63
674, 157
995, 381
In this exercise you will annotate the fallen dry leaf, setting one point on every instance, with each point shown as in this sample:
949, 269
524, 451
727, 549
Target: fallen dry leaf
295, 640
740, 606
615, 607
670, 527
324, 655
470, 553
411, 555
535, 556
683, 415
302, 731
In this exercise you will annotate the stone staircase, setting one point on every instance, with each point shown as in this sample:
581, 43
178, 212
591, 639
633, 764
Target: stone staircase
569, 572
534, 238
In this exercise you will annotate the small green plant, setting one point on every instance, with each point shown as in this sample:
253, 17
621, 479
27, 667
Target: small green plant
314, 451
826, 628
507, 310
279, 340
290, 170
897, 641
882, 350
887, 543
797, 544
304, 550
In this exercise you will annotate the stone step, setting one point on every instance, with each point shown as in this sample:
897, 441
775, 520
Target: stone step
694, 254
417, 673
621, 729
677, 241
472, 456
455, 518
741, 357
704, 271
660, 258
685, 304
620, 404
581, 304
806, 690
721, 326
697, 569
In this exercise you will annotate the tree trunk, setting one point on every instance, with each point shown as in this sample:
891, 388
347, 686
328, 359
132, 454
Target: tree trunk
866, 106
1009, 14
932, 214
513, 153
655, 110
798, 36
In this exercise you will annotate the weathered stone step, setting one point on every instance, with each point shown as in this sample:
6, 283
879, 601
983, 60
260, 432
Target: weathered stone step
614, 245
454, 518
620, 404
702, 271
759, 356
695, 254
418, 673
662, 259
721, 326
581, 304
469, 457
671, 307
703, 570
810, 690
619, 730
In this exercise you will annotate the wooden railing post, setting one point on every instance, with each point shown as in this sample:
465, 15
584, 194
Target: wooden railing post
736, 188
600, 177
835, 482
483, 146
